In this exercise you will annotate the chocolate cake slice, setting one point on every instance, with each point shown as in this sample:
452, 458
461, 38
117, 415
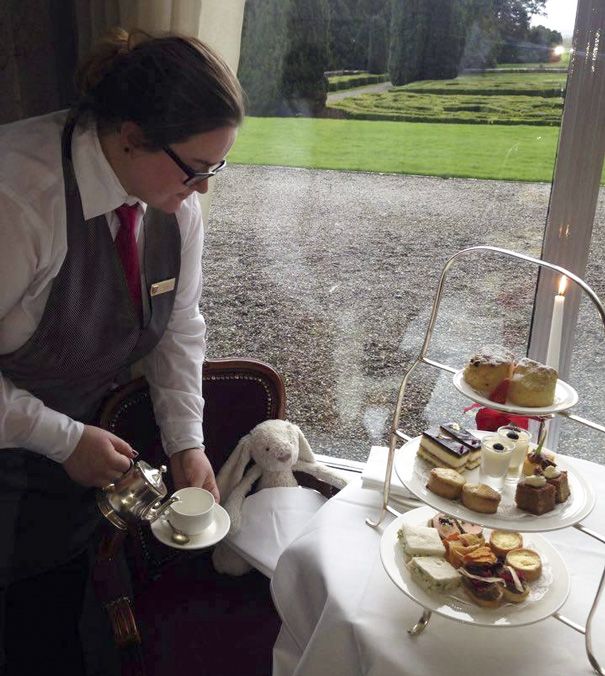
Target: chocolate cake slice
441, 450
464, 437
535, 499
561, 484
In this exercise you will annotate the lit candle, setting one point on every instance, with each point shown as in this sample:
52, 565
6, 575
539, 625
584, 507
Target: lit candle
556, 326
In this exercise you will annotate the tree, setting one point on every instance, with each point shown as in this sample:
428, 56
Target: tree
284, 55
378, 52
427, 39
512, 18
304, 85
350, 27
541, 42
263, 51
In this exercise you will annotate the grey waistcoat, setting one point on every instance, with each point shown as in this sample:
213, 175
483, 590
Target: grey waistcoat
89, 334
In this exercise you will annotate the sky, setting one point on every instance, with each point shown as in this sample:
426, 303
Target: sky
560, 16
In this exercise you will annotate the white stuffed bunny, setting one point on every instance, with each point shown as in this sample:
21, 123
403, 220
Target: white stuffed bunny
277, 448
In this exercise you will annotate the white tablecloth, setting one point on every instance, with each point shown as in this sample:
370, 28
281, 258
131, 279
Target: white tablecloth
342, 615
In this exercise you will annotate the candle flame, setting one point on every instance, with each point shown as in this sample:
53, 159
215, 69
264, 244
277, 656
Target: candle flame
562, 285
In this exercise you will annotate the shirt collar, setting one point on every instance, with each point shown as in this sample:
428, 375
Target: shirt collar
100, 190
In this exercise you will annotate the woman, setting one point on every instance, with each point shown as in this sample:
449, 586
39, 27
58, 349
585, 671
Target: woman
100, 253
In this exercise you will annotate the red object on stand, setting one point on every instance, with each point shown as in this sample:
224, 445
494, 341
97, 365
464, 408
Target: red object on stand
490, 420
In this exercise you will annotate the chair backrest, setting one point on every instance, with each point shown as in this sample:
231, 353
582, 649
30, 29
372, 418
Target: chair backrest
238, 394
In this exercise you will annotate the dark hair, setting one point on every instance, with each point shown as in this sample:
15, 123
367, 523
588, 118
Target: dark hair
172, 87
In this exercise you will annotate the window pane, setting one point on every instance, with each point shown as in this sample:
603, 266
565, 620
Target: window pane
588, 358
327, 237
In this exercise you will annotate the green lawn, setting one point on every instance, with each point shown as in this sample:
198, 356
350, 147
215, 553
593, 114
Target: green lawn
516, 153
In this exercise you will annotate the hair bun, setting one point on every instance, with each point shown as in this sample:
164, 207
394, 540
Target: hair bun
112, 46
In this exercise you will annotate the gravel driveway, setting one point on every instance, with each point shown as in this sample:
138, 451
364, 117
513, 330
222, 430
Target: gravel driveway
330, 277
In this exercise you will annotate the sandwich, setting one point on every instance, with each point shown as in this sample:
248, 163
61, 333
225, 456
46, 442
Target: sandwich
515, 587
434, 574
480, 577
420, 541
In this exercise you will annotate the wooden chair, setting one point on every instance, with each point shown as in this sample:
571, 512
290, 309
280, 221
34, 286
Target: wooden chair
177, 614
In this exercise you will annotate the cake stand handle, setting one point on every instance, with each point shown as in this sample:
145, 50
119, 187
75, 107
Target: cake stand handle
587, 631
588, 635
420, 626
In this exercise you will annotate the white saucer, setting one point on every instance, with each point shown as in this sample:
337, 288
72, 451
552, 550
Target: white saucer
215, 532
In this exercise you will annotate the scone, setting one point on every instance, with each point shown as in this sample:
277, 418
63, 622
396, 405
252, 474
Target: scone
480, 498
502, 542
525, 561
445, 482
488, 368
532, 384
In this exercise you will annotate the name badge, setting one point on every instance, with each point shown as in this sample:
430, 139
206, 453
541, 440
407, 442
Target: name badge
162, 287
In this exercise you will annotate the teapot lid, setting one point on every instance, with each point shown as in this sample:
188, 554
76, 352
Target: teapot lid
152, 475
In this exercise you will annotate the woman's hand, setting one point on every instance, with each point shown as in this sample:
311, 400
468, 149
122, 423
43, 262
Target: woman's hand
99, 458
192, 468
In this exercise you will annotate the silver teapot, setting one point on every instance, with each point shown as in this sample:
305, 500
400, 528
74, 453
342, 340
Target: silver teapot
136, 496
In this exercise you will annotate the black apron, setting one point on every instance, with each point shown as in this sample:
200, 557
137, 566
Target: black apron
89, 335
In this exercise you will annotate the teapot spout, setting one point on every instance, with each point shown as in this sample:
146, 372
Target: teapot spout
154, 513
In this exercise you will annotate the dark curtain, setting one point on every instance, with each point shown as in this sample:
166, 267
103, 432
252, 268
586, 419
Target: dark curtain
38, 55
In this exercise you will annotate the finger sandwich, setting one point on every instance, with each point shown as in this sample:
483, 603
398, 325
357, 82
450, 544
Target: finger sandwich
434, 574
420, 541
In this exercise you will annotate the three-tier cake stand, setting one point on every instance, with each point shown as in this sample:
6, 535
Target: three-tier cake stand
584, 499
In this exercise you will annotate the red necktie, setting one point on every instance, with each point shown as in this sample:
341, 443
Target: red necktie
126, 245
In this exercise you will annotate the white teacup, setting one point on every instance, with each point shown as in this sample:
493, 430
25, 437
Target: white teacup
193, 512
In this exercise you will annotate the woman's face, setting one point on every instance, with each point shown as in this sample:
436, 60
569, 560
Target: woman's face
155, 178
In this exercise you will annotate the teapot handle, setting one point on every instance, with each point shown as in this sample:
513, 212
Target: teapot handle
153, 514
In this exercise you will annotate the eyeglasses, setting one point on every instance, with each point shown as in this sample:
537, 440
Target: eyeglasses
193, 177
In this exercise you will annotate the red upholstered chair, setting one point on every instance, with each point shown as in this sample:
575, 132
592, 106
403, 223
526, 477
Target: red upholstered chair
176, 614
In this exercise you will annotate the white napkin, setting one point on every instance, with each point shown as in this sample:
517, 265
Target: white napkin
271, 519
375, 469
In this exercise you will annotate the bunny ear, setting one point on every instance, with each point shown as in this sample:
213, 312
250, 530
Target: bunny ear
305, 454
232, 471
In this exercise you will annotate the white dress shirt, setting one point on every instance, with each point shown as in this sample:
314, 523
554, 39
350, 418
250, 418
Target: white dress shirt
33, 246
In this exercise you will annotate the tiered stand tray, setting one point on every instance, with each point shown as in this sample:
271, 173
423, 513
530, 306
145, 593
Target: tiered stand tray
410, 471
